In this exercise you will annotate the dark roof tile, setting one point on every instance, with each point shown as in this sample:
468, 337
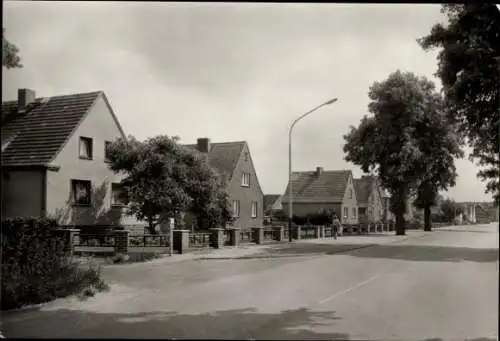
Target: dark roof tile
328, 187
223, 156
36, 136
270, 199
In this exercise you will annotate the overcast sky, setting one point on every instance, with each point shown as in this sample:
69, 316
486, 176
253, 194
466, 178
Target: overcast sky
229, 72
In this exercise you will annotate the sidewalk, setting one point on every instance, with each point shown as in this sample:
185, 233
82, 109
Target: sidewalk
308, 247
298, 248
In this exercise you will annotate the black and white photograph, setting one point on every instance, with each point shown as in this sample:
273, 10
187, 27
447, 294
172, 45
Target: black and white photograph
250, 170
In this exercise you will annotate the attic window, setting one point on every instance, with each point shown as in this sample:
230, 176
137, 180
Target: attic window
245, 180
246, 156
350, 194
85, 148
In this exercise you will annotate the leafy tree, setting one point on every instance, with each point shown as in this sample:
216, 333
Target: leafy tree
163, 179
389, 143
450, 209
439, 144
469, 44
10, 57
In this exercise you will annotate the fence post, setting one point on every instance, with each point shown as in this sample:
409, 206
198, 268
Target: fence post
297, 231
322, 231
70, 238
258, 234
217, 238
121, 241
181, 241
279, 233
234, 236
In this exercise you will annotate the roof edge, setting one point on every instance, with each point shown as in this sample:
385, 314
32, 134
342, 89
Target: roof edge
70, 135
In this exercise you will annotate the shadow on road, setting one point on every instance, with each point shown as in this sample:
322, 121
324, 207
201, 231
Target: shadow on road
475, 339
230, 324
425, 253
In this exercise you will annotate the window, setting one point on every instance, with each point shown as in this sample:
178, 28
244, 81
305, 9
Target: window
236, 208
81, 191
254, 209
370, 212
117, 195
85, 148
106, 150
350, 194
246, 156
346, 213
354, 212
245, 180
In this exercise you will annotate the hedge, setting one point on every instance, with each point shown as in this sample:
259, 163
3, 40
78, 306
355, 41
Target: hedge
35, 267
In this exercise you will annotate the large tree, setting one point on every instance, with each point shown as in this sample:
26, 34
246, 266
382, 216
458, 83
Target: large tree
10, 56
440, 145
163, 179
389, 142
469, 44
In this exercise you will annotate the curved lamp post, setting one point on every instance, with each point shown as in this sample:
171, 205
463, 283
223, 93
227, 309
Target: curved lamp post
290, 192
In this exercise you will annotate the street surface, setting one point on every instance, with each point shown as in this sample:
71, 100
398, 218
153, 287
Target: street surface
440, 285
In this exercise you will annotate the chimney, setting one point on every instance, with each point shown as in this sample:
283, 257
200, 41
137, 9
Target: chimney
24, 98
203, 145
319, 171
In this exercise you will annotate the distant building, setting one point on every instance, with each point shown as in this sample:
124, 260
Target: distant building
272, 203
234, 162
371, 202
323, 190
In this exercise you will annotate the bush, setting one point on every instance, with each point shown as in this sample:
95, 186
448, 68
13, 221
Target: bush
35, 266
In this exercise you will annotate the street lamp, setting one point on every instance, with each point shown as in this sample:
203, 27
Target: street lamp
290, 193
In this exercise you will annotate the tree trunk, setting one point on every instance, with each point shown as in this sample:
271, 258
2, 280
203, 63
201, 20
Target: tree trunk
400, 223
427, 218
151, 225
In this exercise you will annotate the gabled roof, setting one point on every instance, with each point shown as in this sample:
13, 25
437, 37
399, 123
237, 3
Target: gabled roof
363, 188
270, 199
36, 136
328, 187
223, 156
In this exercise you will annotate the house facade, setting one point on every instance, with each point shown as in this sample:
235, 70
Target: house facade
54, 159
323, 190
371, 202
233, 161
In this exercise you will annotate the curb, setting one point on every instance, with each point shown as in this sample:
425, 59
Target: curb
317, 254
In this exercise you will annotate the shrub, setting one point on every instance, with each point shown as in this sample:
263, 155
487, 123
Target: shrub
35, 266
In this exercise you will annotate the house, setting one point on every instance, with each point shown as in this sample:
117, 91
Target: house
371, 202
272, 203
54, 159
323, 190
233, 161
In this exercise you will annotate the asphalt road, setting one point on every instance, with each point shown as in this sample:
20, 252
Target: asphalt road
433, 286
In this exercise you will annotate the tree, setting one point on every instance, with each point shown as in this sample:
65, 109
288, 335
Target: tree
469, 44
450, 209
10, 57
163, 179
389, 142
439, 145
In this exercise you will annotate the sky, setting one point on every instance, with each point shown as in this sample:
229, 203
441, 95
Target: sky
228, 71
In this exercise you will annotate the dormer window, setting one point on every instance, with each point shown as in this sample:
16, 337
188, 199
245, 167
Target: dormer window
85, 148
